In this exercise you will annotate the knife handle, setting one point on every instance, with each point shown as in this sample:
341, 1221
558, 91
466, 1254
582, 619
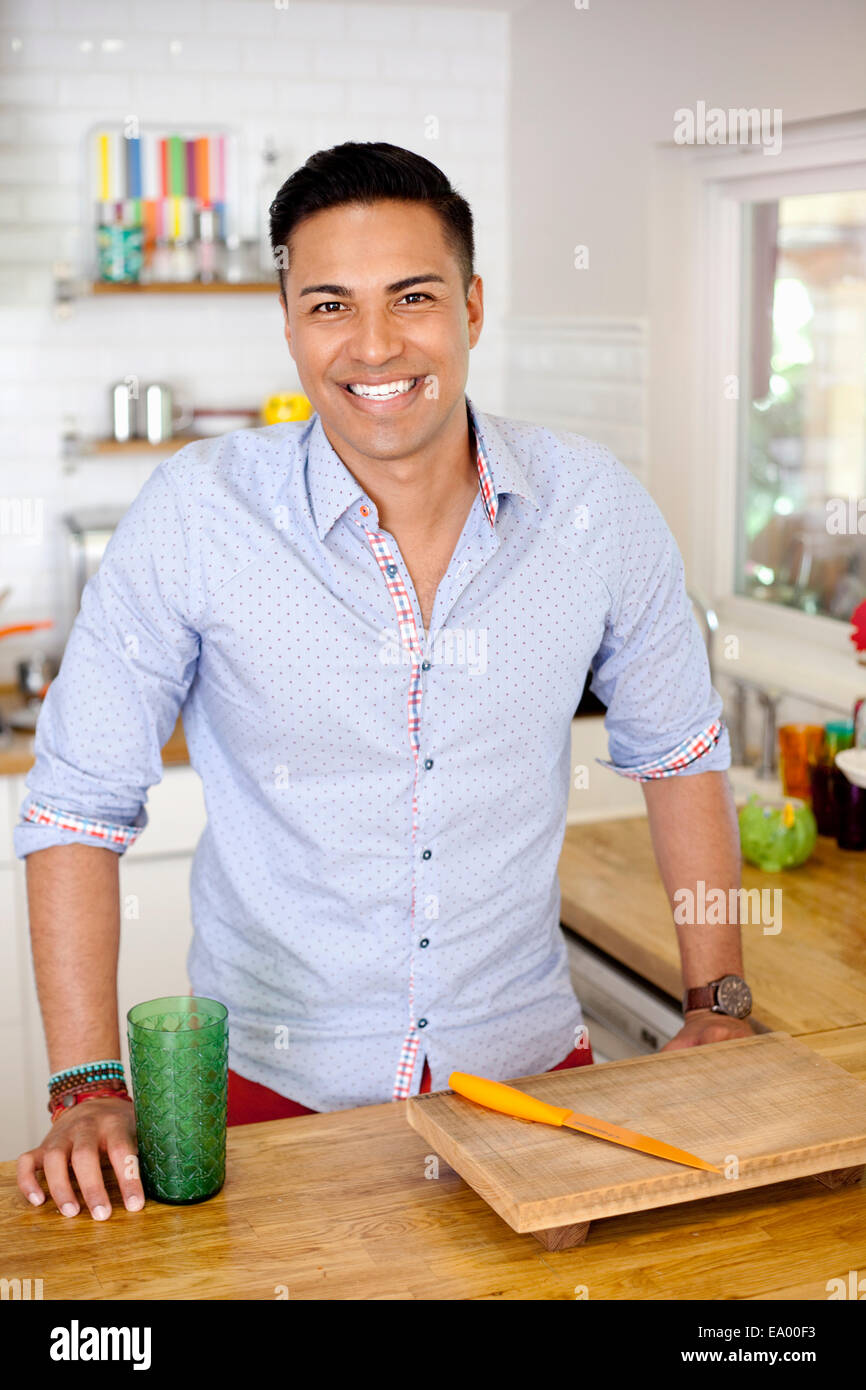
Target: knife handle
497, 1096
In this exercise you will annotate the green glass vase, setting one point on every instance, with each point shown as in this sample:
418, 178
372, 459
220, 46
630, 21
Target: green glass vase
178, 1054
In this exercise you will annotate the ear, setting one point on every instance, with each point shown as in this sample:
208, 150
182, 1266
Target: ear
475, 309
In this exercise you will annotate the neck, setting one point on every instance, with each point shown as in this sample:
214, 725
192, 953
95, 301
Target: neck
418, 494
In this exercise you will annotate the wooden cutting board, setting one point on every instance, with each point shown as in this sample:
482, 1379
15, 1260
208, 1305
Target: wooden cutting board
764, 1108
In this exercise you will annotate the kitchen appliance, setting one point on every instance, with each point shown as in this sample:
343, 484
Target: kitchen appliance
625, 1016
766, 1108
89, 531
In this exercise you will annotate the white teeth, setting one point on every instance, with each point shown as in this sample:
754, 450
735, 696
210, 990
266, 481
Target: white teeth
385, 391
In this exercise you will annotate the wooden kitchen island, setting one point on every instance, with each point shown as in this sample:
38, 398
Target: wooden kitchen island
807, 977
343, 1206
347, 1205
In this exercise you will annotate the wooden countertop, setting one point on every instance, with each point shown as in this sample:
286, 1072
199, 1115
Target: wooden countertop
339, 1206
807, 977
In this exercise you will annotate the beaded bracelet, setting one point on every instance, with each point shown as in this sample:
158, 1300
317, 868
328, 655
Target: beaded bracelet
90, 1074
92, 1078
109, 1064
74, 1083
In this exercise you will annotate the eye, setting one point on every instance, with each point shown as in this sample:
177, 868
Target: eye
417, 294
330, 304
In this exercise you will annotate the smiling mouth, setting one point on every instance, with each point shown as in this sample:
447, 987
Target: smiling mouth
381, 391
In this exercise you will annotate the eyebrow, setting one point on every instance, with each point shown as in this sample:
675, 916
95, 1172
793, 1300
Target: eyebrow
343, 291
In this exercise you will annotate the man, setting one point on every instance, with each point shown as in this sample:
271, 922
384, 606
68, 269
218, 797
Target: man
378, 624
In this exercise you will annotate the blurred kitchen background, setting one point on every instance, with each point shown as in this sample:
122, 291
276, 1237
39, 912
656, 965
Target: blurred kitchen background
698, 306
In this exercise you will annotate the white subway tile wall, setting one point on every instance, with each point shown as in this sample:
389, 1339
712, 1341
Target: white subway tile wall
308, 74
587, 375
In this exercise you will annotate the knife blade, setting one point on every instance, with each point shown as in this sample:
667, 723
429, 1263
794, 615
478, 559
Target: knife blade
495, 1095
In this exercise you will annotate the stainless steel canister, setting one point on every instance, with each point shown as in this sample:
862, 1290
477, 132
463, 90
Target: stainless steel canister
156, 416
124, 404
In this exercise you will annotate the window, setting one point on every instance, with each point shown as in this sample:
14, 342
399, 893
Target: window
801, 518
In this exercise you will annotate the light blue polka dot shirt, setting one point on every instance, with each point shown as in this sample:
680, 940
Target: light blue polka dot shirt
377, 880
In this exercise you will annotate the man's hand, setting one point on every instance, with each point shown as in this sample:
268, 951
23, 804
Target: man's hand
705, 1026
76, 1142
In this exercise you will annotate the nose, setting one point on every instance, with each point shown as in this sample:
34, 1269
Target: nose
376, 338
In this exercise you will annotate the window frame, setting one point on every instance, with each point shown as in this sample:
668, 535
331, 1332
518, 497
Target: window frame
700, 199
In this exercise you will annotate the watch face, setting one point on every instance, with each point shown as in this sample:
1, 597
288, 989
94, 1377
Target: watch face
734, 996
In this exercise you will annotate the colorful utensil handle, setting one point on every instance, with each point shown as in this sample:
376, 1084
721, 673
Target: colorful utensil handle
25, 627
497, 1096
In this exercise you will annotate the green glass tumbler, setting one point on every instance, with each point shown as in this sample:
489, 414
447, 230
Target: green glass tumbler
178, 1054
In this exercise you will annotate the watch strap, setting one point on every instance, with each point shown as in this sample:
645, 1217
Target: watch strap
701, 997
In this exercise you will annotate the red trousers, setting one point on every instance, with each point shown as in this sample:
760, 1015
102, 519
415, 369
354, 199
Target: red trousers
249, 1102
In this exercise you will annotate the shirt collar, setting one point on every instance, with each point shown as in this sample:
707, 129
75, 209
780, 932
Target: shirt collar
499, 469
333, 489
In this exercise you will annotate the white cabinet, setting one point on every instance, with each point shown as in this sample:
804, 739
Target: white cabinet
176, 816
14, 1060
8, 814
156, 932
596, 793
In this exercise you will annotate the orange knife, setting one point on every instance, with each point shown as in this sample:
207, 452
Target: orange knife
495, 1095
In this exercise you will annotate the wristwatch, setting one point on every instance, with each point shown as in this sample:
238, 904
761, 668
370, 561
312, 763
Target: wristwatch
727, 995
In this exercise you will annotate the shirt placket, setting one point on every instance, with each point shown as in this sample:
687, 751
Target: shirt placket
410, 642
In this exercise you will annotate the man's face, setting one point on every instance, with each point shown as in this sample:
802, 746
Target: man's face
375, 298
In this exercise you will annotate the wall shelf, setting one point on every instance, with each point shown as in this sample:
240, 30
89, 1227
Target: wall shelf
139, 446
77, 450
70, 285
185, 287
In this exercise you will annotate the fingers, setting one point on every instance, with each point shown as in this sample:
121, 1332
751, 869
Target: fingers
124, 1161
54, 1166
87, 1167
28, 1182
74, 1147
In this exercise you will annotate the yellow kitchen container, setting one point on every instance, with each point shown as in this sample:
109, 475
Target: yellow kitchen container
277, 410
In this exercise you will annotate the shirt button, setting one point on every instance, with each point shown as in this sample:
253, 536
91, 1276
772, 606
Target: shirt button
391, 570
425, 665
422, 1023
428, 763
424, 941
365, 511
427, 854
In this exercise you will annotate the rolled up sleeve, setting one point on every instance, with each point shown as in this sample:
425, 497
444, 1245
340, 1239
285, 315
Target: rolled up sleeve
128, 664
664, 717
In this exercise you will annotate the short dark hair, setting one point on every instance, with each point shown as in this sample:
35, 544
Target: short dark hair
370, 172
